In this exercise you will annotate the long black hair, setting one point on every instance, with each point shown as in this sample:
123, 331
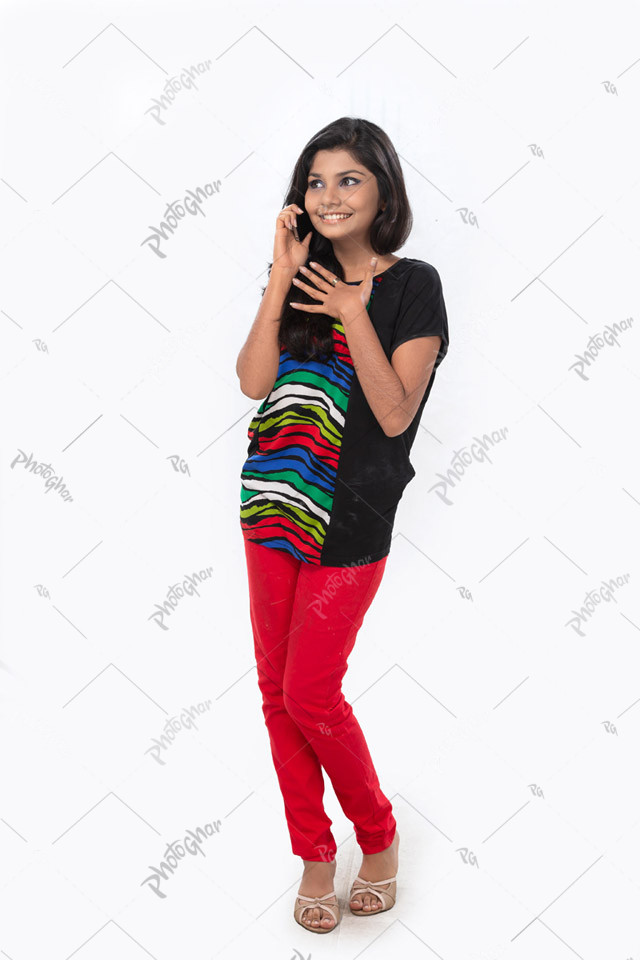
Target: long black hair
309, 336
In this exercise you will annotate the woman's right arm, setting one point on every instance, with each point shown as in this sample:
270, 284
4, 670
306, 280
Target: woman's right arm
257, 364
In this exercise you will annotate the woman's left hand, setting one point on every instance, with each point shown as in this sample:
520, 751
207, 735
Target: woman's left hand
340, 301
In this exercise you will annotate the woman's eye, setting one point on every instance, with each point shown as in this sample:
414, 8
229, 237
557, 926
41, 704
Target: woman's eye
312, 182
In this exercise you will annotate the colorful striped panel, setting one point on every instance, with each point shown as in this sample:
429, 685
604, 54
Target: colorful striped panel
288, 483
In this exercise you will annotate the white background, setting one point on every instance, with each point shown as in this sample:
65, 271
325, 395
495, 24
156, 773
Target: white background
506, 739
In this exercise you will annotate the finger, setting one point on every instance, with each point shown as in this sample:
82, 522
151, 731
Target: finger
319, 278
312, 291
372, 267
309, 307
321, 270
292, 209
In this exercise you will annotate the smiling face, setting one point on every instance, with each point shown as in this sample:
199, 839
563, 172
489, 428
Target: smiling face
338, 184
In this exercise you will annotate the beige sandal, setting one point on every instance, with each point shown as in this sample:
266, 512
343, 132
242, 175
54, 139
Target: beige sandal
300, 909
361, 886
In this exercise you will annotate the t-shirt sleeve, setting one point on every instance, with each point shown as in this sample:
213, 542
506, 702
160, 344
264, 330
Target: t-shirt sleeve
422, 311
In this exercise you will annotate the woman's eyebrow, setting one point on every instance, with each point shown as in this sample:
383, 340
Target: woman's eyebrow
312, 174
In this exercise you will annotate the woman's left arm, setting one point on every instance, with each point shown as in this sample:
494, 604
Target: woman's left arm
393, 389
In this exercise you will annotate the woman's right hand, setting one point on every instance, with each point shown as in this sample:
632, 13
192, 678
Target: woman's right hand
289, 254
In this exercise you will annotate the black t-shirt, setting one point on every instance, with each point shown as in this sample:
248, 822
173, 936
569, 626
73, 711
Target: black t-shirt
322, 480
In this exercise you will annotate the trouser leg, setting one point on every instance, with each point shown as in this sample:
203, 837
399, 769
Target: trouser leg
273, 576
330, 604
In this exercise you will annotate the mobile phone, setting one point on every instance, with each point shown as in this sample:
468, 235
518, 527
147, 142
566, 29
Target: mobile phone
303, 227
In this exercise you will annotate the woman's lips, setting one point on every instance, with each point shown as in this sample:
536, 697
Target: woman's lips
340, 219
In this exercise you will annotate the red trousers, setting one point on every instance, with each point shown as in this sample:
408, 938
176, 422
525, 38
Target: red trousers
305, 618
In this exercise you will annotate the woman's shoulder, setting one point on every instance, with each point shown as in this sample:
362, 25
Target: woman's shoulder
421, 268
416, 274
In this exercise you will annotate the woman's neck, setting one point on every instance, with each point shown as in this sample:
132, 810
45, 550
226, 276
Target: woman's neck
355, 271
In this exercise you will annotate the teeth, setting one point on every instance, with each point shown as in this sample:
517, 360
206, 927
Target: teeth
335, 216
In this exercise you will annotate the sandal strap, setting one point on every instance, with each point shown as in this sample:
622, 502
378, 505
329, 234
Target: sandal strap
317, 902
376, 883
361, 886
326, 896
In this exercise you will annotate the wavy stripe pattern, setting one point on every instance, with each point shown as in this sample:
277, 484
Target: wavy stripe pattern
288, 482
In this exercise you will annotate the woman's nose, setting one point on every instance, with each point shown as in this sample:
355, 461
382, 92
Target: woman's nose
330, 197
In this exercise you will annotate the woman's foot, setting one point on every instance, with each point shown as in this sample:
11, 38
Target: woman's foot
317, 880
376, 866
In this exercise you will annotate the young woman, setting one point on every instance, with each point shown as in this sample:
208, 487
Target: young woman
343, 350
